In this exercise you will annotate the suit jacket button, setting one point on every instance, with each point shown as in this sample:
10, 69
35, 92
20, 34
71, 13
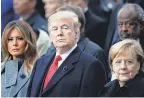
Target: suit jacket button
22, 76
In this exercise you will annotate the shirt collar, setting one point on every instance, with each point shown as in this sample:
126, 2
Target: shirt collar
66, 54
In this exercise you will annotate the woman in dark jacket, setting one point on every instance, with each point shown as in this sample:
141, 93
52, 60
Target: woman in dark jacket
126, 61
19, 55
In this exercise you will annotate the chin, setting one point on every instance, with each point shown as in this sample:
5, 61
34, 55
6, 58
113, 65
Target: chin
124, 79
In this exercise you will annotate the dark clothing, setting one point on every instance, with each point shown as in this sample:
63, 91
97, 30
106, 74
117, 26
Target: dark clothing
95, 50
92, 48
7, 13
95, 28
112, 33
36, 21
133, 88
79, 75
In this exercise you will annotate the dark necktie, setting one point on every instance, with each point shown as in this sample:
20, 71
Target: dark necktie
52, 70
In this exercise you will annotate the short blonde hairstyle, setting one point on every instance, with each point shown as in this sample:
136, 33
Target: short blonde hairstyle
67, 15
133, 47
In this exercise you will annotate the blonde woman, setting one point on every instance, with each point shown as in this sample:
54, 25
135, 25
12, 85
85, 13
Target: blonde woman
126, 61
19, 55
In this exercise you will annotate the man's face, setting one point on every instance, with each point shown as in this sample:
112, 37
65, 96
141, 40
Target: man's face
21, 6
51, 6
128, 25
62, 33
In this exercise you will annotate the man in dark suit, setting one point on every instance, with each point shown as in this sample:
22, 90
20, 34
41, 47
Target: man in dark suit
84, 43
78, 73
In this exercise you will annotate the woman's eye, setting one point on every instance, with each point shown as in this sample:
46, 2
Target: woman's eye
20, 38
10, 39
118, 62
129, 62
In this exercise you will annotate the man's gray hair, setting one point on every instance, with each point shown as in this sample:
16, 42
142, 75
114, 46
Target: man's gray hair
138, 10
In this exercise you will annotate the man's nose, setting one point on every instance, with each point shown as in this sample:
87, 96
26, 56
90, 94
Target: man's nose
124, 28
60, 32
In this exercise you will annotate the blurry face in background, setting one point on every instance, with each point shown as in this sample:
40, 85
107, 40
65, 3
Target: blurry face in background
51, 6
125, 66
22, 6
128, 25
16, 44
74, 2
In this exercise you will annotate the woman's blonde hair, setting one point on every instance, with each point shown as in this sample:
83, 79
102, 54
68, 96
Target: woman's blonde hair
132, 46
30, 53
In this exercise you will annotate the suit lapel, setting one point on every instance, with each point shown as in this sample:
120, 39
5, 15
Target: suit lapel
64, 69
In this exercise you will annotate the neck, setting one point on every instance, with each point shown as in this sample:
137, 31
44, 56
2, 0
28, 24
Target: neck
17, 57
62, 50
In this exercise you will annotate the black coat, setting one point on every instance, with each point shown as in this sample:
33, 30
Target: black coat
133, 88
79, 75
85, 44
95, 28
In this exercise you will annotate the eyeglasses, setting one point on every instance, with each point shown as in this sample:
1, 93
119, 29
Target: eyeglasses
127, 24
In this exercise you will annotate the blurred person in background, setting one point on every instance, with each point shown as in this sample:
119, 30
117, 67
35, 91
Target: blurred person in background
112, 34
50, 6
95, 27
19, 54
26, 10
131, 22
7, 13
127, 63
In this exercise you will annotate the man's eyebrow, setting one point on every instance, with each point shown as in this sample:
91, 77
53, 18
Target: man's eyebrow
64, 25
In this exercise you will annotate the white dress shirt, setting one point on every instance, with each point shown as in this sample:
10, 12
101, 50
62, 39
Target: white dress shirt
65, 55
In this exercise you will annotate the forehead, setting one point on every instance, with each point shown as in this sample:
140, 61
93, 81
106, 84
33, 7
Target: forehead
60, 21
13, 32
127, 14
126, 53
